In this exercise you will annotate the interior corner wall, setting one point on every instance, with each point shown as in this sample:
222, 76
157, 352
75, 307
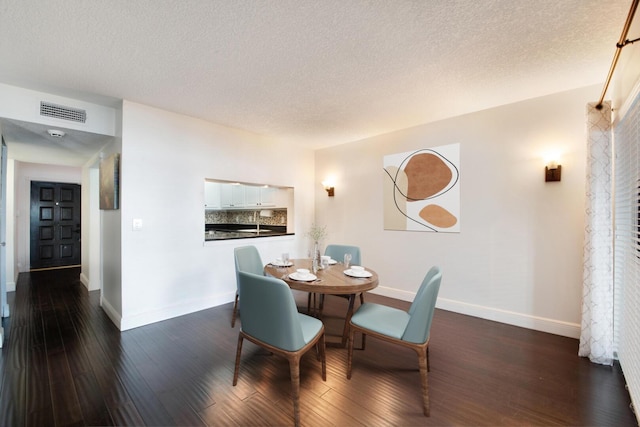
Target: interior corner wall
518, 257
111, 251
90, 274
167, 268
11, 267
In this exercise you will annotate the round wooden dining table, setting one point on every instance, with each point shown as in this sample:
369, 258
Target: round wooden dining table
331, 280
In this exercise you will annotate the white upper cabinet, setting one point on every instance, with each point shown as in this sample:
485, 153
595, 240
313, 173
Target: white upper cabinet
255, 196
212, 195
232, 195
227, 195
267, 196
251, 196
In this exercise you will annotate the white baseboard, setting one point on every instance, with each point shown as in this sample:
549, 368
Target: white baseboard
394, 293
84, 280
552, 326
11, 286
142, 319
89, 284
111, 312
557, 327
1, 336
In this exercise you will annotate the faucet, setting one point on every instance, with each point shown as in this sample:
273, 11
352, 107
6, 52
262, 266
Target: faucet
256, 216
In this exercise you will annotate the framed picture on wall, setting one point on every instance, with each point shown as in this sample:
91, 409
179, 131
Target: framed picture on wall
110, 182
422, 190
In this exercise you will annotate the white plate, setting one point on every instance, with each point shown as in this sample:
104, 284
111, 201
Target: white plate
307, 278
332, 261
282, 264
352, 273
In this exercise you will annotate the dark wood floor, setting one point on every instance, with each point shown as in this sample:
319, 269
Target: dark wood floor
65, 364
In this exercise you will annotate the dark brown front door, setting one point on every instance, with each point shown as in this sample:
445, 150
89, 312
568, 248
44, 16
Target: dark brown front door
55, 224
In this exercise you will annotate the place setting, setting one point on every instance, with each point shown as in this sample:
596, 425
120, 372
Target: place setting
303, 275
282, 262
358, 272
327, 260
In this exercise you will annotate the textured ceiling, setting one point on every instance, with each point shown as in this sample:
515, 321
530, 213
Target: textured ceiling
314, 72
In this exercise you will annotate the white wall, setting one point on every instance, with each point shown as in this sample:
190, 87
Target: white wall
167, 269
11, 264
90, 269
111, 250
518, 257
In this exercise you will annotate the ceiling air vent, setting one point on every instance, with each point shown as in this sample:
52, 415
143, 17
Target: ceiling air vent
61, 112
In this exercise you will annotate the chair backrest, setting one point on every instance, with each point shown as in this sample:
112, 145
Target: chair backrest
337, 252
423, 307
247, 258
269, 311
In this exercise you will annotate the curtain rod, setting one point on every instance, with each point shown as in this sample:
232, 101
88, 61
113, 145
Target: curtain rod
622, 43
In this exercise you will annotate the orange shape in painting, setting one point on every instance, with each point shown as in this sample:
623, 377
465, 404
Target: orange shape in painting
427, 174
438, 216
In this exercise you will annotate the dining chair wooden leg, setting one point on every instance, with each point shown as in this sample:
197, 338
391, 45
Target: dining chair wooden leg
294, 368
235, 312
323, 354
238, 352
352, 335
428, 366
361, 298
422, 362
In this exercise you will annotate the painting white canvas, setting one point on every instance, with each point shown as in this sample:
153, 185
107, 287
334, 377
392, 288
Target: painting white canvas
422, 190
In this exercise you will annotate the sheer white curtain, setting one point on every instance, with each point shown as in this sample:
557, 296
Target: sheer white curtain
597, 334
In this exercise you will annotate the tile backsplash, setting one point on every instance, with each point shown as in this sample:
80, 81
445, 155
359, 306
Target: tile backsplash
278, 217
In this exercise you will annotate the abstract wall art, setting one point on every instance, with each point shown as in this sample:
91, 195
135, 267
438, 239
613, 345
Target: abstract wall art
422, 190
110, 183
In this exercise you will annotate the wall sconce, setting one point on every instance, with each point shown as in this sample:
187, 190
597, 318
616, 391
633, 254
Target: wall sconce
552, 172
329, 186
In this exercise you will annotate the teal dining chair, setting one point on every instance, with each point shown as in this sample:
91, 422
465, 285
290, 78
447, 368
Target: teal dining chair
338, 252
271, 320
409, 329
247, 258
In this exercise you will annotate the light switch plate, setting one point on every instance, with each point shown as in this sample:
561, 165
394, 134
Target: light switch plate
137, 224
